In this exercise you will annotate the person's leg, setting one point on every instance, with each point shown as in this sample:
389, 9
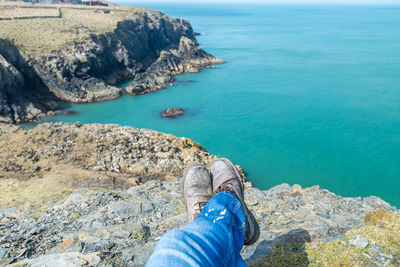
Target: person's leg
215, 238
225, 177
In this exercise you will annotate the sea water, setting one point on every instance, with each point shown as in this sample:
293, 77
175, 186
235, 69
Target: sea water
308, 95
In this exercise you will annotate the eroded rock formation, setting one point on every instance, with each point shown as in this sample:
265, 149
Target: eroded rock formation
147, 46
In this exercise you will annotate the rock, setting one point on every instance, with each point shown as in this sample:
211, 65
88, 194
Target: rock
120, 224
146, 46
143, 254
359, 241
123, 208
123, 229
172, 112
12, 213
62, 260
3, 253
18, 103
296, 188
281, 190
111, 156
375, 247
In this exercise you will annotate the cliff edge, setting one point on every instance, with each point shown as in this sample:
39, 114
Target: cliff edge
80, 54
92, 195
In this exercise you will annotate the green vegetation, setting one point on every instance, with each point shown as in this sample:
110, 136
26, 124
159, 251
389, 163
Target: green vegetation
180, 208
35, 216
139, 235
284, 255
75, 215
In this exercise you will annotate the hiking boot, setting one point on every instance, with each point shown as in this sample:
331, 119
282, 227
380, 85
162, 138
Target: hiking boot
196, 190
226, 177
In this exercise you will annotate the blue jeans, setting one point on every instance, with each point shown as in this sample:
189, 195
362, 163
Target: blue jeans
215, 238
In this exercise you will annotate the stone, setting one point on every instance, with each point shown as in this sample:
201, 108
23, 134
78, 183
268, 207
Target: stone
296, 188
11, 212
375, 247
281, 189
147, 207
359, 241
3, 253
124, 208
143, 254
172, 112
62, 260
150, 184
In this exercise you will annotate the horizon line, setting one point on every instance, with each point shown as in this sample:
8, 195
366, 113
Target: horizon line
347, 3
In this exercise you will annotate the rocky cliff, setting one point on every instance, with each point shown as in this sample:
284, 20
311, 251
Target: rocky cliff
146, 45
23, 95
103, 195
103, 155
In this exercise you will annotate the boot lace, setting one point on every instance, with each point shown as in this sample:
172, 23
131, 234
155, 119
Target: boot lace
227, 186
198, 208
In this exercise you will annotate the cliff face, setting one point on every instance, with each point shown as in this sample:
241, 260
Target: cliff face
23, 95
147, 46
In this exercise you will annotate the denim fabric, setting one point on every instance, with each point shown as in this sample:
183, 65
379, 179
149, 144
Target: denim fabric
215, 238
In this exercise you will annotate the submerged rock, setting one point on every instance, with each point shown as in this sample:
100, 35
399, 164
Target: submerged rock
172, 112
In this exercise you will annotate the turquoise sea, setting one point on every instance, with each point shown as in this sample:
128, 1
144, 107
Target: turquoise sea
308, 95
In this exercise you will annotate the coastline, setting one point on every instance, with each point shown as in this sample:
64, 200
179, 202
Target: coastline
90, 179
145, 45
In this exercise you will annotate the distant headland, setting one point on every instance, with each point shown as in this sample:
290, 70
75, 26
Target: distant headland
78, 53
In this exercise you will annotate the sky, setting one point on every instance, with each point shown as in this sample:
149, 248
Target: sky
268, 1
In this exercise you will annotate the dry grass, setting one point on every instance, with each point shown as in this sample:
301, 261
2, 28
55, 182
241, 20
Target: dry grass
382, 227
49, 187
20, 11
35, 192
46, 34
26, 188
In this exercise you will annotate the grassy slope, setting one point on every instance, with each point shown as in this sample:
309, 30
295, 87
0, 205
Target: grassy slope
381, 226
47, 34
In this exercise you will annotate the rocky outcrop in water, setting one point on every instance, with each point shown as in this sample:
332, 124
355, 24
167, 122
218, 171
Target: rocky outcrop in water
172, 112
147, 46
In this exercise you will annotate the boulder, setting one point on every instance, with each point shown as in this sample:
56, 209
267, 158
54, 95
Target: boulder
172, 112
